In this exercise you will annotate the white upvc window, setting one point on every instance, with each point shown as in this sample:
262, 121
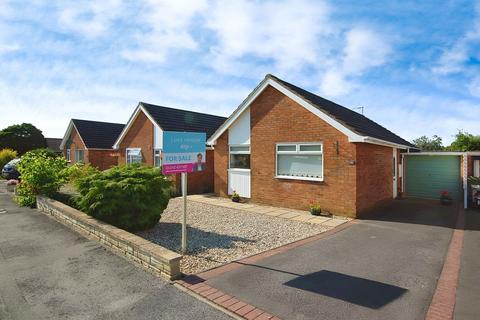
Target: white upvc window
80, 156
239, 157
69, 155
157, 158
134, 155
299, 161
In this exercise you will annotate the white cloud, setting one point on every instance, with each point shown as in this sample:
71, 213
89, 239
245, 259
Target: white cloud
91, 18
168, 22
6, 48
454, 57
285, 33
364, 49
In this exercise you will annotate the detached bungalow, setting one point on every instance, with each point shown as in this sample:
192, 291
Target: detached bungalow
91, 142
141, 139
285, 146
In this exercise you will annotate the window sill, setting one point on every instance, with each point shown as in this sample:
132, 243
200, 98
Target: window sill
239, 170
299, 178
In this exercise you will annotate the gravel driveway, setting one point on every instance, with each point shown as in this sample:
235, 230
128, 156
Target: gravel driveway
218, 235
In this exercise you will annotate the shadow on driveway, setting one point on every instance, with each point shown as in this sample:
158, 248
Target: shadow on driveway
359, 291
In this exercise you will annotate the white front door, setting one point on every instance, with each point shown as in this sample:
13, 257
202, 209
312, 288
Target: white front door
395, 173
239, 181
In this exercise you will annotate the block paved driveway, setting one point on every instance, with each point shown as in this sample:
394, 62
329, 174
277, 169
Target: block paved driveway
385, 268
50, 272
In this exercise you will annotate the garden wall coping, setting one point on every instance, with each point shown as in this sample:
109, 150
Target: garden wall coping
145, 253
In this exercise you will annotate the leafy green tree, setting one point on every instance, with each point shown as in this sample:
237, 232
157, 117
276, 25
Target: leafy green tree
22, 138
425, 143
130, 197
465, 142
40, 174
6, 155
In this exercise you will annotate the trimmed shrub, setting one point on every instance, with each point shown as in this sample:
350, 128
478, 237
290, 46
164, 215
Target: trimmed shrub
6, 155
41, 174
79, 170
130, 197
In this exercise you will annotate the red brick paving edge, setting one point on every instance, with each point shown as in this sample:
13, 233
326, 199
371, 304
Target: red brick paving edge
442, 306
196, 283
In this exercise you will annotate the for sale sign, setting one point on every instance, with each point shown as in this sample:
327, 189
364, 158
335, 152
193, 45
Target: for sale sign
183, 152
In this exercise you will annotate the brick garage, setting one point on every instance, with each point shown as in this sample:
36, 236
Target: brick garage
357, 176
144, 132
95, 139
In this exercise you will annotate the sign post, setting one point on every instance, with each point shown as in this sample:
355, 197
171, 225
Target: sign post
183, 152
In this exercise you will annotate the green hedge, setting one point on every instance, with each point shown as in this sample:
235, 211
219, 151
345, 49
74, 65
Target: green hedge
40, 173
130, 197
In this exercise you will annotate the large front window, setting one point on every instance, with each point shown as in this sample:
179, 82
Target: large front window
301, 161
240, 157
134, 155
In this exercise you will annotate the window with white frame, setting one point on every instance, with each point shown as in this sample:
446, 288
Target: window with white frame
134, 155
79, 155
157, 157
240, 157
68, 155
302, 161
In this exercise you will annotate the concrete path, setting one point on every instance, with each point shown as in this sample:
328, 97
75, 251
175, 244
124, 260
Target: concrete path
284, 213
467, 306
49, 272
385, 268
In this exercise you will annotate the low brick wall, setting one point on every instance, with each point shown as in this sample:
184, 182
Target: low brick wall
147, 254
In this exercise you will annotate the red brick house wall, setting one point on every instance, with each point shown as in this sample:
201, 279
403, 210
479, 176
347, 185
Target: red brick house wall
374, 168
139, 135
103, 159
355, 167
220, 174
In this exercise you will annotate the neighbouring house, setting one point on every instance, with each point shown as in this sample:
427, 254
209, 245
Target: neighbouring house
54, 144
285, 146
141, 140
91, 142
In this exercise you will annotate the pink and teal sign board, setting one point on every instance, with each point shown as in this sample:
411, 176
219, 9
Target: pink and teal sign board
183, 152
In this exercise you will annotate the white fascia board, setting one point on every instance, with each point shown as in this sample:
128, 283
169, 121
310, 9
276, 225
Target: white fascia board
130, 122
322, 115
259, 89
433, 153
352, 136
242, 107
66, 135
383, 143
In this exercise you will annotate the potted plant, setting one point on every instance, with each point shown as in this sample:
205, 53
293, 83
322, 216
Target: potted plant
315, 208
445, 198
235, 196
474, 182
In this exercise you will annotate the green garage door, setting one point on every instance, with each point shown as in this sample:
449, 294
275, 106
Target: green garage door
428, 176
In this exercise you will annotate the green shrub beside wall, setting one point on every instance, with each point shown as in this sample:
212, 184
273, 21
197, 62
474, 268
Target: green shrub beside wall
130, 197
40, 174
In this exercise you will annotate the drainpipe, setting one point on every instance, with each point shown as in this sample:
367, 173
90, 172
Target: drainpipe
465, 181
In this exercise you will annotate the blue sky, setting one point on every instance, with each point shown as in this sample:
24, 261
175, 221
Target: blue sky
413, 65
